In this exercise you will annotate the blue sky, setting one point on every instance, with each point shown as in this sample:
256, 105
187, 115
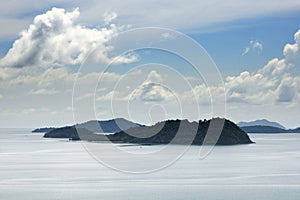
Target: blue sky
226, 46
247, 41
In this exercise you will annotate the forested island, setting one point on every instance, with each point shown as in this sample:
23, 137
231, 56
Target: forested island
222, 132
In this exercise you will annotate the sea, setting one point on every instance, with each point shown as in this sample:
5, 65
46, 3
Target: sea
36, 168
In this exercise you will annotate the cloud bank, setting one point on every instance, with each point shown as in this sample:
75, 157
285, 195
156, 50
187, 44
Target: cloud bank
274, 83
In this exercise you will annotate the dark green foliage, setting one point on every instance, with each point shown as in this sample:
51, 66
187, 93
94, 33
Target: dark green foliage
73, 133
43, 130
65, 132
296, 130
107, 126
171, 131
189, 133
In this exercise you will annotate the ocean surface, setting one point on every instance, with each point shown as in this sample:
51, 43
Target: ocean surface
33, 168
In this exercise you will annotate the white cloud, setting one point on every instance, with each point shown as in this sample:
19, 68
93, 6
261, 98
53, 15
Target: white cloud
110, 96
27, 91
54, 38
8, 73
38, 81
287, 90
153, 92
109, 17
292, 51
127, 58
168, 36
152, 89
254, 46
43, 91
153, 76
28, 111
274, 83
34, 80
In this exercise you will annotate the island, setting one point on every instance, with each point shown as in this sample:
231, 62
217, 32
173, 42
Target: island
263, 129
43, 130
296, 130
103, 126
170, 131
268, 129
71, 132
265, 126
262, 123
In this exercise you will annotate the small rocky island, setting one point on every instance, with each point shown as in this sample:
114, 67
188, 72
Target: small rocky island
43, 130
221, 132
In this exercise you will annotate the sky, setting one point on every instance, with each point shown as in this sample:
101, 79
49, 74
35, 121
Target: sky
63, 62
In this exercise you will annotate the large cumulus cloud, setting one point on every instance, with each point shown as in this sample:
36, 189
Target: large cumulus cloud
276, 82
54, 38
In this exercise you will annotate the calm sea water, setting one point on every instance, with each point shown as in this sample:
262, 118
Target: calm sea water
33, 168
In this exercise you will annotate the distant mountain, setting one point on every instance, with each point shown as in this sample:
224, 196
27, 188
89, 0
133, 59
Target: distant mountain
106, 126
268, 129
263, 129
261, 122
43, 130
177, 131
90, 127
